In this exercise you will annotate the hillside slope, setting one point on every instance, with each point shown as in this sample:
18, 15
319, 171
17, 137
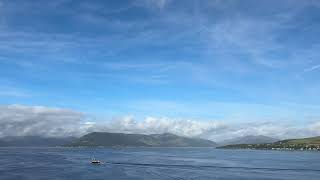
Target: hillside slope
249, 140
312, 143
139, 140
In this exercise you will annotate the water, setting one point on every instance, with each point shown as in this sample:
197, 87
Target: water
156, 164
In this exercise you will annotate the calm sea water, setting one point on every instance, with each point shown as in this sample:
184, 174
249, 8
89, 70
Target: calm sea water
156, 164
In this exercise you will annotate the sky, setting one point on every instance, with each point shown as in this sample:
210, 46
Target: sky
215, 69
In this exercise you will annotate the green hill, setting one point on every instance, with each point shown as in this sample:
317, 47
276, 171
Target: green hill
139, 140
312, 143
309, 141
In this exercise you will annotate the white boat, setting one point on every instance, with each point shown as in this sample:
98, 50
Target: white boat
94, 161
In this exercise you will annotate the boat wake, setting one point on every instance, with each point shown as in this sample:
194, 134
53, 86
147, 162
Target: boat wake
209, 166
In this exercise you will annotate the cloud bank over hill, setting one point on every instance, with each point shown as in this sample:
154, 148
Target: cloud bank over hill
21, 120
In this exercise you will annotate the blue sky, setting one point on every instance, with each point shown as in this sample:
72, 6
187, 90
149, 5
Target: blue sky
233, 61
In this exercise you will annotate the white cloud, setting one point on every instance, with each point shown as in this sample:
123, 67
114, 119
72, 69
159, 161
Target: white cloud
152, 125
21, 120
213, 130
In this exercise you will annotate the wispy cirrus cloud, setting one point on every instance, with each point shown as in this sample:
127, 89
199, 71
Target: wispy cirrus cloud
153, 3
312, 68
13, 92
185, 51
254, 37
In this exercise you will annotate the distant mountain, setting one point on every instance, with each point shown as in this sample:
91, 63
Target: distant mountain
34, 141
139, 140
249, 140
312, 143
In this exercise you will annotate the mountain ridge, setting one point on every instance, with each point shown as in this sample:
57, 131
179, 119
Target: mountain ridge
139, 140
